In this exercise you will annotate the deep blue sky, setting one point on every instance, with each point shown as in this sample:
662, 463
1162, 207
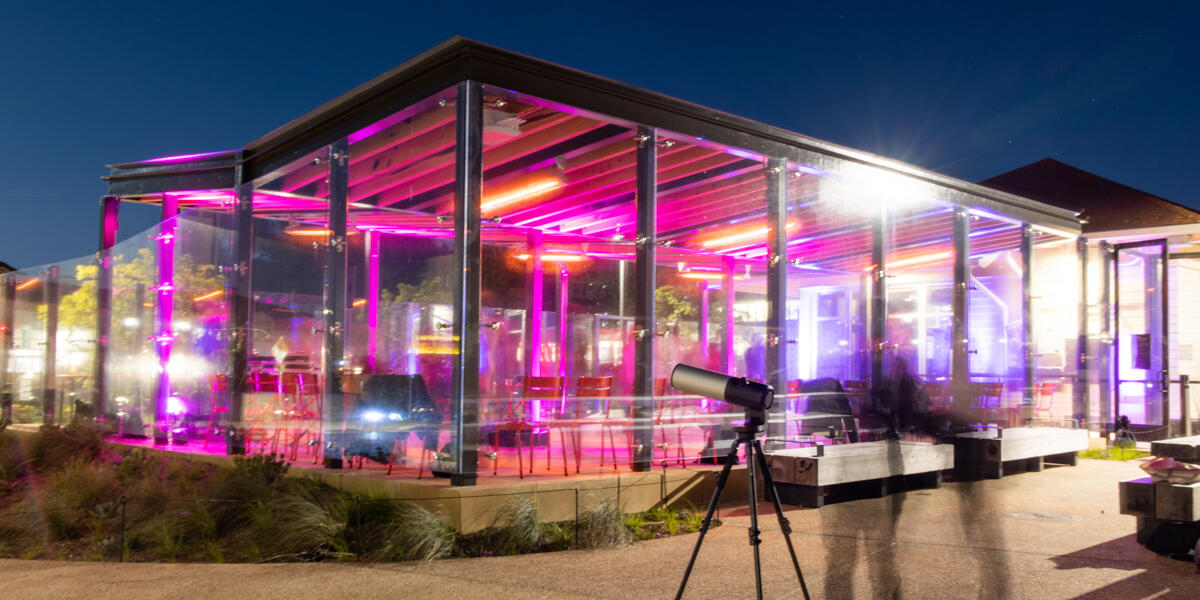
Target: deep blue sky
970, 91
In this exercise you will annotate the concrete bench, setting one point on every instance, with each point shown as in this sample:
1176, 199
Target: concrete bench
803, 475
1182, 449
1156, 503
987, 454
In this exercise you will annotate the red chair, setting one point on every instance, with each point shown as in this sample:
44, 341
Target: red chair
988, 399
218, 389
570, 418
1043, 399
511, 415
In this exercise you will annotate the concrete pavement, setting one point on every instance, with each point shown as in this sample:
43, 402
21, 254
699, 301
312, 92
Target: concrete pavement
1054, 534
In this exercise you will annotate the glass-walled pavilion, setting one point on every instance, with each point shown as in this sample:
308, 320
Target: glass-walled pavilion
481, 263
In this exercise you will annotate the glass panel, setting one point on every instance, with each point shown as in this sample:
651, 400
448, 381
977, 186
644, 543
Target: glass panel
400, 342
1054, 308
75, 344
284, 409
920, 293
829, 287
557, 302
1139, 333
995, 327
132, 365
711, 301
27, 357
1185, 329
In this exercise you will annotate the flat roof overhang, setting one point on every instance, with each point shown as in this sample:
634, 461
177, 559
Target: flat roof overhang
459, 59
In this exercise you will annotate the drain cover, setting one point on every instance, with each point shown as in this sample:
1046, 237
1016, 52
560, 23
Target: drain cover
1038, 515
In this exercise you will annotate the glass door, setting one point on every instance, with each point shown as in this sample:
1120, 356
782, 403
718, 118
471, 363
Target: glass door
1140, 333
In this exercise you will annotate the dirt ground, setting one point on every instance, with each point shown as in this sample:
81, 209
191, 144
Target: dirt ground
1053, 534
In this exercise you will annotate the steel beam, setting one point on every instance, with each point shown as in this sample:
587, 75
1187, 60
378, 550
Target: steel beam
777, 271
535, 294
164, 302
241, 315
7, 320
372, 249
1082, 388
335, 302
109, 224
960, 363
1104, 344
878, 311
468, 282
645, 322
1028, 344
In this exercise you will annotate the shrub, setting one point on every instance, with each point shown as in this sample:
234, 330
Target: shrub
418, 534
73, 494
517, 526
14, 463
602, 526
56, 447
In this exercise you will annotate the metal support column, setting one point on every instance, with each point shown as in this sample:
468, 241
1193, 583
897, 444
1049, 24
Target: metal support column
335, 302
703, 325
7, 320
1028, 344
535, 292
164, 303
468, 282
563, 296
1082, 388
776, 343
960, 364
728, 360
50, 410
372, 249
240, 325
109, 209
1162, 328
645, 322
878, 311
1104, 342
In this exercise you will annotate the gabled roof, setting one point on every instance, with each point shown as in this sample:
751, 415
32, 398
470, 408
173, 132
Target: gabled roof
1106, 205
6, 268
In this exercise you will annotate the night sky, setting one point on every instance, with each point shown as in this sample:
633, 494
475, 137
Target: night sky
967, 89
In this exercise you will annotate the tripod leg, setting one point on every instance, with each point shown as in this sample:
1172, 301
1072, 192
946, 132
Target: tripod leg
712, 507
755, 540
784, 525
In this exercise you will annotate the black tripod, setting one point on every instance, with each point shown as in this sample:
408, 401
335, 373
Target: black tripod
754, 460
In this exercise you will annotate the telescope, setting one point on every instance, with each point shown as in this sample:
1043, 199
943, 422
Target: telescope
747, 394
757, 399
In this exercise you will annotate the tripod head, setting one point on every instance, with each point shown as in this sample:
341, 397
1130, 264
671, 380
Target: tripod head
756, 420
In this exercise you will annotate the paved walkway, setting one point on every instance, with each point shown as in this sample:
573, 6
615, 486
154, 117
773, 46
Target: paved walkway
1054, 534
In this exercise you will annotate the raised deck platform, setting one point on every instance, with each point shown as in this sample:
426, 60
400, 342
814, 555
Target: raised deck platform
803, 476
989, 453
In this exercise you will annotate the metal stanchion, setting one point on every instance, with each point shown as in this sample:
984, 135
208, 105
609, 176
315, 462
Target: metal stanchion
1185, 403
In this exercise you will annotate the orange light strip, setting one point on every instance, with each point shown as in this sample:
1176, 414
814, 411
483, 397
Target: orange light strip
702, 275
505, 199
311, 232
555, 257
359, 302
754, 234
28, 283
916, 260
208, 296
